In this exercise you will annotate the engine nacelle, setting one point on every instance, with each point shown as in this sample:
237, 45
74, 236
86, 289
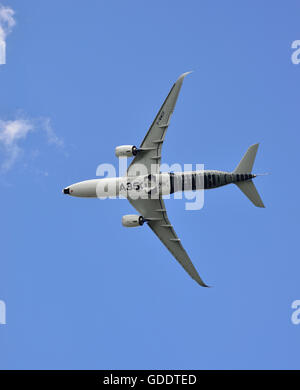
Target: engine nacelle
126, 151
132, 220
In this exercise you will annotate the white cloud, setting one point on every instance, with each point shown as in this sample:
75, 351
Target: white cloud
7, 22
52, 137
12, 132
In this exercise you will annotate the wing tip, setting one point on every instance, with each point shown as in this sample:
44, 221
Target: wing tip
201, 283
183, 75
205, 285
254, 146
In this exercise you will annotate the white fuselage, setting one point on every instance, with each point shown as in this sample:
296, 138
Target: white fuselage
153, 185
121, 186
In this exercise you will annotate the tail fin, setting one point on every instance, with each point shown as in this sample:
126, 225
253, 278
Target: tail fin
246, 163
248, 187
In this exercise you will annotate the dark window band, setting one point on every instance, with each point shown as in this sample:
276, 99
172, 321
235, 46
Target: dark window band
194, 182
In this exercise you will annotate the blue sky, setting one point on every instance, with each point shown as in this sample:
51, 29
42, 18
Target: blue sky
81, 291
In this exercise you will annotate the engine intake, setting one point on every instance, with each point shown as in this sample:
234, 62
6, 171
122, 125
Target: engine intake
126, 151
132, 220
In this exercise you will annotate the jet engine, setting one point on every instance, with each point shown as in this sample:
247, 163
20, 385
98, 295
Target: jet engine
132, 220
126, 151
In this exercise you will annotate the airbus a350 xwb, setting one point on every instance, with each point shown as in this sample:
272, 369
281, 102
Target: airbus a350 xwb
144, 185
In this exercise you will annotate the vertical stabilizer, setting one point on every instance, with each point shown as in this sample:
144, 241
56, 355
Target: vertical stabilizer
246, 163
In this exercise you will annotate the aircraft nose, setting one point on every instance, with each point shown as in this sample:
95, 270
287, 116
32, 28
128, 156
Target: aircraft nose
66, 191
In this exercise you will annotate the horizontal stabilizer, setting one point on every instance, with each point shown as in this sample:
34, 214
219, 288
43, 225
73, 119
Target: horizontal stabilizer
249, 189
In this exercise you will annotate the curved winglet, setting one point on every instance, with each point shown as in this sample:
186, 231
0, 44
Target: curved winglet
182, 76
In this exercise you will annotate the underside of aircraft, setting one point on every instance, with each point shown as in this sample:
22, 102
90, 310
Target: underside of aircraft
144, 185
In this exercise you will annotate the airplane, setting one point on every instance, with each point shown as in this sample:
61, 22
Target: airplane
144, 185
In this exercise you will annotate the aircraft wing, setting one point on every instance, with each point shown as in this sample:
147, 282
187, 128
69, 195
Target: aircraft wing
150, 149
154, 211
